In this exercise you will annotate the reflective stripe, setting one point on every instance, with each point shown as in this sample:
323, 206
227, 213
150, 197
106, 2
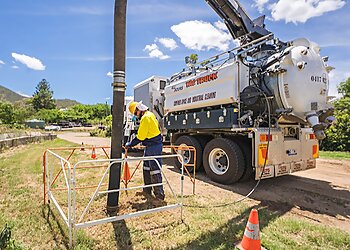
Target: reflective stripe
146, 168
252, 231
155, 172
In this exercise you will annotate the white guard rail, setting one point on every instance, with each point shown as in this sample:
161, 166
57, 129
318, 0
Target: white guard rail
70, 181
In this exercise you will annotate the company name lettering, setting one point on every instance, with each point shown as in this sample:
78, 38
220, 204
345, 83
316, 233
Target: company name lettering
202, 79
196, 98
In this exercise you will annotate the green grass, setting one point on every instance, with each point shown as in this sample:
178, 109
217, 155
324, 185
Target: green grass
289, 233
335, 155
35, 226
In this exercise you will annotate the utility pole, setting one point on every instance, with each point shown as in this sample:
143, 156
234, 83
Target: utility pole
118, 102
107, 109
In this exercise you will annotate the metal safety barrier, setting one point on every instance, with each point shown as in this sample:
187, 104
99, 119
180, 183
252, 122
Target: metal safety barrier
180, 150
70, 217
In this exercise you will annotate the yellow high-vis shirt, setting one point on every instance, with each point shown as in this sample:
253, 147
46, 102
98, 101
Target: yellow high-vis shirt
148, 127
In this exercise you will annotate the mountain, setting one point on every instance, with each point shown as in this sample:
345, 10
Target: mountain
65, 103
8, 95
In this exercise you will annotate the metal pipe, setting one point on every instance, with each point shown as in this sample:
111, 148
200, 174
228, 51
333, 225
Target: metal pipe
96, 192
118, 101
54, 201
126, 216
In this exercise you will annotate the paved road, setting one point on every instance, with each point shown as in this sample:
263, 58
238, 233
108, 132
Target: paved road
84, 137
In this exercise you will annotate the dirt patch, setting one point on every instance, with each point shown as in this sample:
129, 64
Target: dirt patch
321, 195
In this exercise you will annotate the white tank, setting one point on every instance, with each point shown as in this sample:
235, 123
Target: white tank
206, 88
297, 75
303, 85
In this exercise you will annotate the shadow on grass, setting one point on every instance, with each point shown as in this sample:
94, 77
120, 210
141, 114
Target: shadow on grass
316, 196
122, 235
55, 226
225, 236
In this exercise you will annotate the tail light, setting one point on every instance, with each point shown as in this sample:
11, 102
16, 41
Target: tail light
264, 138
315, 151
312, 136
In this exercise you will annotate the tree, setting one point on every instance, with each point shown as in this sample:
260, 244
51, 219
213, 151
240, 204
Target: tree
7, 113
84, 113
194, 58
43, 96
338, 135
23, 111
50, 115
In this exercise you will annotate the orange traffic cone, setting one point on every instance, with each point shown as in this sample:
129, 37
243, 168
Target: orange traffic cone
93, 153
126, 176
251, 237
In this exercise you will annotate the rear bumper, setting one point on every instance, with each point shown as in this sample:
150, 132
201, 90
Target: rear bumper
284, 155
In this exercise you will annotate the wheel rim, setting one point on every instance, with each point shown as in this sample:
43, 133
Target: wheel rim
218, 161
186, 154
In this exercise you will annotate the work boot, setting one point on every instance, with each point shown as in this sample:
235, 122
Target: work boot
159, 192
147, 191
160, 196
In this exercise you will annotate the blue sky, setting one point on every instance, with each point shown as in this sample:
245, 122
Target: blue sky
70, 42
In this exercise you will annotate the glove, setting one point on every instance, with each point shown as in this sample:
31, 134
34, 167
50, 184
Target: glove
128, 145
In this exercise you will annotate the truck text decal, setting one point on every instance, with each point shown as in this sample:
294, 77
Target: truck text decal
202, 79
196, 98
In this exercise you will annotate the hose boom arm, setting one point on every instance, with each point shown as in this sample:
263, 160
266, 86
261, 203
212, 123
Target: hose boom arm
237, 21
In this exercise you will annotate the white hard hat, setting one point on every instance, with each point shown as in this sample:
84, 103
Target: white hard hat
142, 107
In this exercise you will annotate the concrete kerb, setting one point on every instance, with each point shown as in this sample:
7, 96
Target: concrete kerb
22, 140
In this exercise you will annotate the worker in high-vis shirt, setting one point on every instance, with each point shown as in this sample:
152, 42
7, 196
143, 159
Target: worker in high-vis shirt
149, 135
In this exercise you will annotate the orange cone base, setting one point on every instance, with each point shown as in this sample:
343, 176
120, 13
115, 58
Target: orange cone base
239, 246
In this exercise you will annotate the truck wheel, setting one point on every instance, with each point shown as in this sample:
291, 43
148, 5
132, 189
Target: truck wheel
203, 140
223, 161
188, 155
247, 154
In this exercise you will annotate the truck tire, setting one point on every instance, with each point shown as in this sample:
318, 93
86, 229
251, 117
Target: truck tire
248, 166
223, 161
187, 140
203, 140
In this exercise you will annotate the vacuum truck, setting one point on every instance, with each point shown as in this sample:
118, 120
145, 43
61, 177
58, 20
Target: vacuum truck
257, 110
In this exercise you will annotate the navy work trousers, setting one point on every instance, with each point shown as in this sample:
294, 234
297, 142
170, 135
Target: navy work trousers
151, 171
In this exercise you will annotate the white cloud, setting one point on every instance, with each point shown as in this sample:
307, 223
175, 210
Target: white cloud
154, 52
221, 25
2, 62
15, 67
260, 4
168, 43
151, 47
200, 35
30, 62
301, 10
110, 74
